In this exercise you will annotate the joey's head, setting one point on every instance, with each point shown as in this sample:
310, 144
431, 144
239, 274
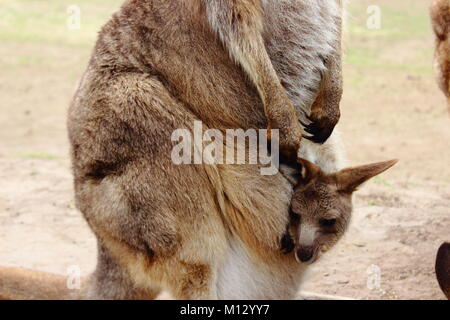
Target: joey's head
321, 206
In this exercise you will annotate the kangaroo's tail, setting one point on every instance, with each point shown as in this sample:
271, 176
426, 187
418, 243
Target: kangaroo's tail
443, 268
24, 284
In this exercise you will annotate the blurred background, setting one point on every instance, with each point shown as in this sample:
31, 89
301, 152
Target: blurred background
392, 108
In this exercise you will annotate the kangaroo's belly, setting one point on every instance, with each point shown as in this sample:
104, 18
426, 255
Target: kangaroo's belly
243, 277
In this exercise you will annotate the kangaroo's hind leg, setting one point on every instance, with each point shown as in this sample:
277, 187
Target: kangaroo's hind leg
110, 281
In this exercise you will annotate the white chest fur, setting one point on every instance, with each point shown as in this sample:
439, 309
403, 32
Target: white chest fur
242, 277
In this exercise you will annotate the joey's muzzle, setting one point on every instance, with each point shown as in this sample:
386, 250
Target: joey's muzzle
305, 254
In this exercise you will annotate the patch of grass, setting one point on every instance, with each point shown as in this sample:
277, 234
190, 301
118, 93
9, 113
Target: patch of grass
34, 34
22, 60
398, 20
403, 28
404, 23
45, 22
380, 180
362, 56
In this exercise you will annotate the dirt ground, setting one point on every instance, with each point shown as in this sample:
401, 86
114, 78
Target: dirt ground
392, 108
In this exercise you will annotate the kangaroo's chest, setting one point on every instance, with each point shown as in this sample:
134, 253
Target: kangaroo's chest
299, 36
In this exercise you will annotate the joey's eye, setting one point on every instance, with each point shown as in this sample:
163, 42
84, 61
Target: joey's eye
327, 222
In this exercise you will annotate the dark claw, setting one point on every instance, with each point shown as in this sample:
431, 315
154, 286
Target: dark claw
307, 116
289, 160
302, 123
320, 137
319, 131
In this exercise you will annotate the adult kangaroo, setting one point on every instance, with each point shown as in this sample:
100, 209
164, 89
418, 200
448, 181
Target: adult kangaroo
199, 231
440, 20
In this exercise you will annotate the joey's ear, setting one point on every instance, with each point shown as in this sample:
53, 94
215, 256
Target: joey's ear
290, 173
348, 180
302, 173
308, 170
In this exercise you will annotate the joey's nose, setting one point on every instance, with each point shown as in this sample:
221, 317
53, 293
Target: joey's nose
305, 254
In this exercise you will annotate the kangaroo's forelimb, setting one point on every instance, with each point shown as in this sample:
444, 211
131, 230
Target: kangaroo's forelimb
239, 25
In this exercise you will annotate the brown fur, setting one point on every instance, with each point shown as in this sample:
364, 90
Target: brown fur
16, 284
443, 268
158, 66
440, 17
